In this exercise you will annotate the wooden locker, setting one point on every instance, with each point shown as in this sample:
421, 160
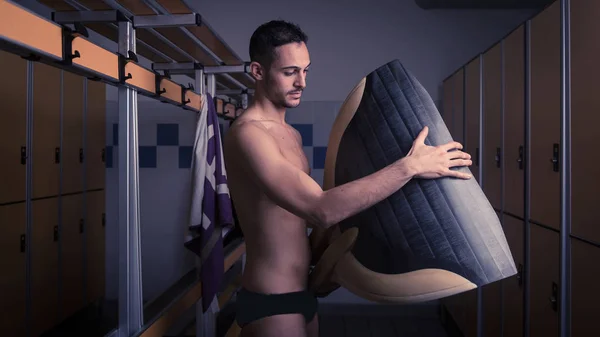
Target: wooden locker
72, 257
585, 294
13, 261
72, 143
95, 133
13, 128
585, 102
545, 117
458, 113
492, 126
514, 123
513, 287
46, 130
96, 243
447, 87
544, 282
472, 113
44, 265
463, 309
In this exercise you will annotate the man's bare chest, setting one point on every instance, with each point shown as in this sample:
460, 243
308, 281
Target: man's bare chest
291, 148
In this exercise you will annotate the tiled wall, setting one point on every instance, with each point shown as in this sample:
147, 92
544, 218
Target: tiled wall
166, 135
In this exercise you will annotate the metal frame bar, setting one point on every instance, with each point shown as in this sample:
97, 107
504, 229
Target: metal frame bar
565, 170
502, 162
86, 16
130, 273
28, 197
166, 20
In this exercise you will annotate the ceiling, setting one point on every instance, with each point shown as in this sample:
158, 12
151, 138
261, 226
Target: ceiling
482, 4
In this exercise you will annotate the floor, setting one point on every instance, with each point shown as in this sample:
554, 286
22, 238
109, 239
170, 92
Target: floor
381, 321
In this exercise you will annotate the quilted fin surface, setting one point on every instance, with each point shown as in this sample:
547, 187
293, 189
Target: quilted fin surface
444, 223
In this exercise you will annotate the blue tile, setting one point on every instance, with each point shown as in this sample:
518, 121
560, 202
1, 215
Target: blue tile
319, 153
147, 157
167, 134
306, 130
108, 156
115, 134
185, 156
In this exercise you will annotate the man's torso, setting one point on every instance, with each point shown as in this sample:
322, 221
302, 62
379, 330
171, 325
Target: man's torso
277, 247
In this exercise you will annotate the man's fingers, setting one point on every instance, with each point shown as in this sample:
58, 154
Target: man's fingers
461, 162
452, 146
458, 155
422, 135
458, 174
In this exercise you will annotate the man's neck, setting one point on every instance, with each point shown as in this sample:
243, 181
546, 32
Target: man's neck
266, 110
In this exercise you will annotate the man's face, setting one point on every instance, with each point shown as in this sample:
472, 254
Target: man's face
286, 78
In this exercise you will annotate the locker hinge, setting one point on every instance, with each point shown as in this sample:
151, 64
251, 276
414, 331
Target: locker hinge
23, 155
521, 155
554, 160
103, 219
57, 155
55, 233
554, 298
520, 274
23, 243
80, 225
498, 154
81, 155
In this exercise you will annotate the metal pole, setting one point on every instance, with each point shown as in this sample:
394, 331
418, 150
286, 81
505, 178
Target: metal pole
212, 85
130, 273
565, 169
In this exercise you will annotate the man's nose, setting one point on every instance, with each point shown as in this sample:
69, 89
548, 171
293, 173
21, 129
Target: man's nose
301, 81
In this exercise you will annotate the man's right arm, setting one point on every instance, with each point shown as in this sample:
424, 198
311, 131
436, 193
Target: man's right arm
292, 189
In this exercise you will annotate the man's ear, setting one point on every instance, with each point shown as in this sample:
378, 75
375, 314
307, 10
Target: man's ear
257, 71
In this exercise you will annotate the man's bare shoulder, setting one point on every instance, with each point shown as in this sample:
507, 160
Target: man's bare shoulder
246, 135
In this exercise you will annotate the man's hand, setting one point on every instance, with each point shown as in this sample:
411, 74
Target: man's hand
436, 161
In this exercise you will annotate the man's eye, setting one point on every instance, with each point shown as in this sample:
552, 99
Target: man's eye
289, 74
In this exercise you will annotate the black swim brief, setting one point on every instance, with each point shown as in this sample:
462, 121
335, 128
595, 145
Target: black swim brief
252, 306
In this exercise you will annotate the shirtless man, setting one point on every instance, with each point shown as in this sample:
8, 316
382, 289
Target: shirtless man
276, 199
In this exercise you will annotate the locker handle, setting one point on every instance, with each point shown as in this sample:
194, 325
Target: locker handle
103, 155
57, 155
554, 298
55, 233
520, 160
81, 155
80, 225
520, 274
554, 160
23, 243
23, 155
497, 158
103, 219
477, 157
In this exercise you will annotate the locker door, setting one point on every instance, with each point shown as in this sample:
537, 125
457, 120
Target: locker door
544, 275
472, 110
72, 144
96, 242
13, 124
584, 289
13, 261
514, 119
545, 116
463, 309
514, 230
458, 114
492, 125
44, 265
585, 103
46, 130
72, 254
447, 104
95, 135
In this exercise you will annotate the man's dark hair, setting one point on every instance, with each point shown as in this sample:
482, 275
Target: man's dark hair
271, 35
